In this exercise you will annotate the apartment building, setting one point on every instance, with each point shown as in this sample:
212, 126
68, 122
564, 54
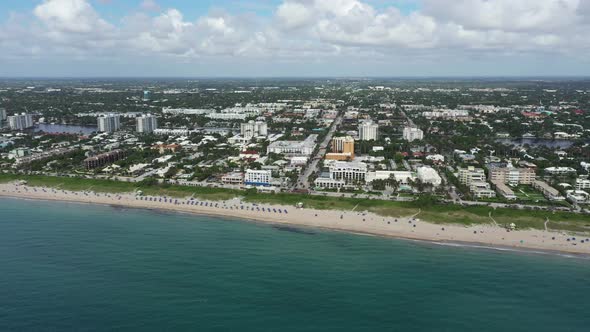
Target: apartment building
20, 121
549, 192
253, 129
411, 134
512, 176
368, 131
109, 123
146, 124
104, 159
342, 149
470, 175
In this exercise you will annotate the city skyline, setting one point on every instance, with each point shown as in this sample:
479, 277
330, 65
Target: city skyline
293, 38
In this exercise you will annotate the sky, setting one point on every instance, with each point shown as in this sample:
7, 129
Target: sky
294, 38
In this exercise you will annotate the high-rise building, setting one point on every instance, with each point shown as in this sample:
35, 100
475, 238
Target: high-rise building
146, 95
109, 123
368, 131
253, 129
2, 114
146, 124
343, 145
413, 134
342, 149
20, 122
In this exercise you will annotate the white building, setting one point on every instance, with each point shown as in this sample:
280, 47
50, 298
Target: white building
348, 171
172, 132
299, 161
582, 184
258, 177
368, 131
481, 190
429, 175
577, 196
413, 134
329, 183
187, 111
248, 110
294, 148
147, 124
253, 129
109, 123
559, 170
20, 122
227, 116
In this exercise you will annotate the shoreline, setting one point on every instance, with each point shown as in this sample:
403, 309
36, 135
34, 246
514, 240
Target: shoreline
355, 222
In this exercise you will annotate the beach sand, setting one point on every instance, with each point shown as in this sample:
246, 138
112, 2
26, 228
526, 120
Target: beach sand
349, 221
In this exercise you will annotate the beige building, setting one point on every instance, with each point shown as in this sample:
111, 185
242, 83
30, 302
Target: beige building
513, 176
549, 192
342, 149
470, 175
503, 190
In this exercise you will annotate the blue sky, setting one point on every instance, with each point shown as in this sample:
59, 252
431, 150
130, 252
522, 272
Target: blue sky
294, 37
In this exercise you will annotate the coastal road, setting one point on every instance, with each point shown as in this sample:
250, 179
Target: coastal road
303, 181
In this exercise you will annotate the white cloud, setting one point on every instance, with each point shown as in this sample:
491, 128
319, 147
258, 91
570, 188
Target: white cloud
306, 30
150, 6
69, 16
506, 15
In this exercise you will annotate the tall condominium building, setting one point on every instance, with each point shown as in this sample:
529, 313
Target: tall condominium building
109, 123
342, 149
470, 175
147, 124
343, 145
2, 114
413, 134
253, 129
19, 122
512, 175
146, 95
368, 131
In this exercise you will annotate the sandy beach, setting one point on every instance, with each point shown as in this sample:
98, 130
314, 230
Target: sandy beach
349, 221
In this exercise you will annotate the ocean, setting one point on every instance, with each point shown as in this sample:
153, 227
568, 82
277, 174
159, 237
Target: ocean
78, 267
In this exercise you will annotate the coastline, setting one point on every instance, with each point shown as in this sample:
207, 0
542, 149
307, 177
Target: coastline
356, 222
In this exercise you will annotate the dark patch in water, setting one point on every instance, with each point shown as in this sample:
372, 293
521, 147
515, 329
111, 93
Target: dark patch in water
293, 230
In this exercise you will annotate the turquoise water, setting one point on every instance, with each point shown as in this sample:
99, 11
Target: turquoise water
75, 267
